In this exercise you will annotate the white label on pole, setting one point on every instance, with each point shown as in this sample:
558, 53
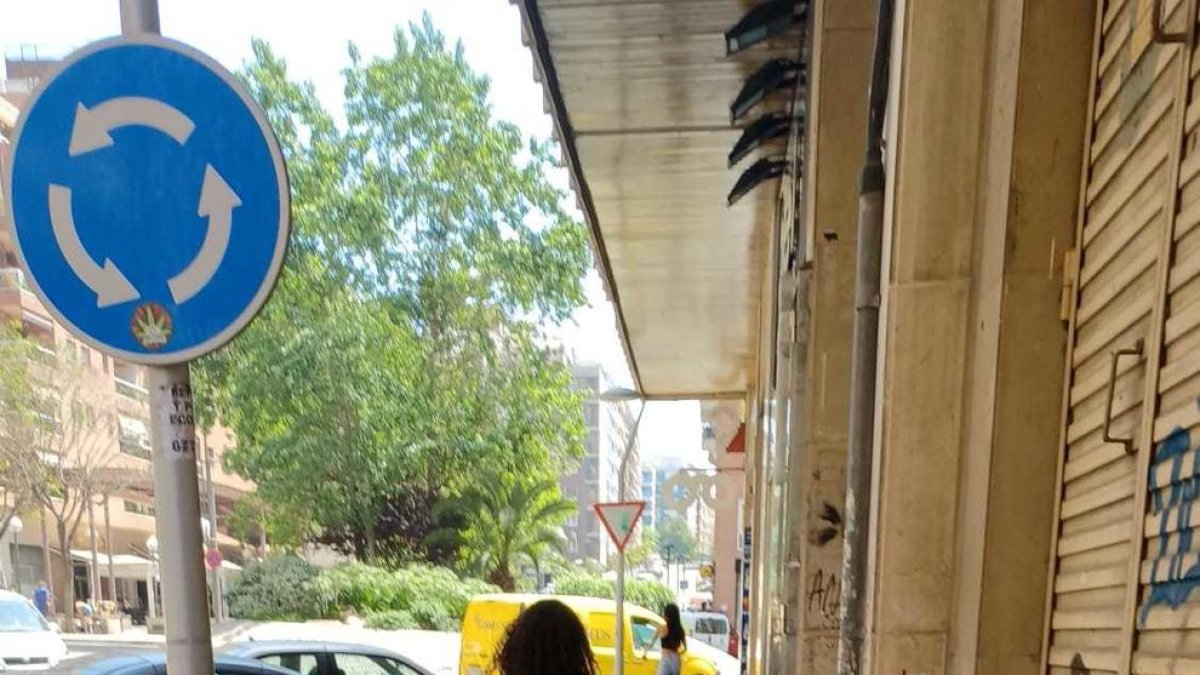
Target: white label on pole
176, 413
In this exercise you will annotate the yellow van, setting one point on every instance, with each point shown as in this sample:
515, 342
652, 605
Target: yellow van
488, 617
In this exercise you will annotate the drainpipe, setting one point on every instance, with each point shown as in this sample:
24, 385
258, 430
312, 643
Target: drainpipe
862, 376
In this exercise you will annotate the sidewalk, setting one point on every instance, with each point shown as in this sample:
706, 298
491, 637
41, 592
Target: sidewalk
224, 633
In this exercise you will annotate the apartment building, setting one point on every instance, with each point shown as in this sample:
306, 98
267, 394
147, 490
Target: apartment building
104, 402
609, 425
650, 497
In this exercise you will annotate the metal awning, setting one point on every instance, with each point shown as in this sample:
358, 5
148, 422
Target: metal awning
124, 566
641, 91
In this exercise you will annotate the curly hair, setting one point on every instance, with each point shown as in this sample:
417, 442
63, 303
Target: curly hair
547, 639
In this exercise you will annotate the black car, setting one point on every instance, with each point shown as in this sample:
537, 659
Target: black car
326, 658
156, 664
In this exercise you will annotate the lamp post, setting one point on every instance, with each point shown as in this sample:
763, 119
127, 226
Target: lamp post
15, 526
615, 396
670, 556
207, 529
151, 596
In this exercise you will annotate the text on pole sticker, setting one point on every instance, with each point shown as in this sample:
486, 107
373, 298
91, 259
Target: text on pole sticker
176, 414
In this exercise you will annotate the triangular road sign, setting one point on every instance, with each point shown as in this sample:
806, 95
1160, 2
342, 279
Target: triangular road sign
620, 519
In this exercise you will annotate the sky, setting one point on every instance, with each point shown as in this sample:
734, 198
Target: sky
313, 37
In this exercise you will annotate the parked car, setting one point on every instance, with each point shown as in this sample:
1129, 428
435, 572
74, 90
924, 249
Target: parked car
711, 628
156, 664
326, 658
27, 640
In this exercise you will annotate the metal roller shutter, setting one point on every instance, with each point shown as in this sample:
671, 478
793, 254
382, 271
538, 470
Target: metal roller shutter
1119, 301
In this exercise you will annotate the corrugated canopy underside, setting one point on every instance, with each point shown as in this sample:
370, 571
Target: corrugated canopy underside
640, 91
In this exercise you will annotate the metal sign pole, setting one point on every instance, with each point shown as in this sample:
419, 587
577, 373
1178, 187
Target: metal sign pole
177, 501
176, 483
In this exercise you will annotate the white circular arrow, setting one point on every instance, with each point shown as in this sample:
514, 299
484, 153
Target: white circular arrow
93, 124
217, 201
110, 286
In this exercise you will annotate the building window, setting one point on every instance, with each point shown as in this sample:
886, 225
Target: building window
47, 411
83, 415
138, 508
591, 413
128, 380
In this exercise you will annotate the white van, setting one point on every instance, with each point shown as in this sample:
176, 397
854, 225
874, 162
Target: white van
711, 628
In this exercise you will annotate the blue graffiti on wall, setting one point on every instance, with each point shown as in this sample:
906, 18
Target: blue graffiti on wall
1174, 590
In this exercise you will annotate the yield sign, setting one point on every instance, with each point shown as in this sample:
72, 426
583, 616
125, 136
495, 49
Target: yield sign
619, 519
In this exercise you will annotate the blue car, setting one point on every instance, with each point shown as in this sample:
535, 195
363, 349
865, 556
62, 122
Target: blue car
156, 664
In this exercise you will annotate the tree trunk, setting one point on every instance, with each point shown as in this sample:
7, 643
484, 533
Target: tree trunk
47, 564
94, 586
108, 545
68, 577
502, 577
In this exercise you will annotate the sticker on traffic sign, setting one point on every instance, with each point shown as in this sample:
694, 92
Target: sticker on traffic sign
213, 559
620, 519
149, 199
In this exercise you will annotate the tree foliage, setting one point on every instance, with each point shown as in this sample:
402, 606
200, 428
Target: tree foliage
57, 448
17, 410
676, 540
502, 519
644, 593
401, 348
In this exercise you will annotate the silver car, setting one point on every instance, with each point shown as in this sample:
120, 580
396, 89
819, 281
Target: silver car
326, 658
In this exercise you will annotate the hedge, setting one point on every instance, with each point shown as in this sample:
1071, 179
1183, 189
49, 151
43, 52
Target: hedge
286, 588
650, 595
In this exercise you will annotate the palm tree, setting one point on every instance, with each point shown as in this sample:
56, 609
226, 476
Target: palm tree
500, 520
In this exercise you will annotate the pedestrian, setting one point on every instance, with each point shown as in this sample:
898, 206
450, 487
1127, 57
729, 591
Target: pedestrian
674, 641
547, 639
41, 598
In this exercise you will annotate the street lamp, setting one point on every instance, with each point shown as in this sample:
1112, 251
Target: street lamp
670, 548
151, 600
616, 396
15, 526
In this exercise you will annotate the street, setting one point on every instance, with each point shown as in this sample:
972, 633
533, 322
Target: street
84, 654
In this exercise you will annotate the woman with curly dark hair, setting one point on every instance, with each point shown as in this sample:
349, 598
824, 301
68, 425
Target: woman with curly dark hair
547, 639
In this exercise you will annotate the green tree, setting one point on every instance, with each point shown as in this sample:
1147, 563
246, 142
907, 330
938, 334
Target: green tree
17, 411
341, 434
402, 345
646, 546
501, 519
676, 540
57, 450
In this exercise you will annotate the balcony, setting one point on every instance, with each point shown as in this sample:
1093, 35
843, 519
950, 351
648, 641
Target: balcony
134, 438
18, 303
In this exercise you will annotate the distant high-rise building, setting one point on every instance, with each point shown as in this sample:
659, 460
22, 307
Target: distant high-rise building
609, 425
650, 497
